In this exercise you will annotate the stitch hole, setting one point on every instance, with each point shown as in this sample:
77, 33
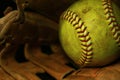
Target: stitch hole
46, 49
19, 56
45, 76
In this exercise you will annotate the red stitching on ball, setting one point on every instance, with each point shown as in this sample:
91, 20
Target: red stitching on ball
83, 35
79, 26
85, 40
112, 22
114, 27
87, 45
87, 50
82, 30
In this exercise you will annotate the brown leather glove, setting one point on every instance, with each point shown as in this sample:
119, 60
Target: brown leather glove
110, 72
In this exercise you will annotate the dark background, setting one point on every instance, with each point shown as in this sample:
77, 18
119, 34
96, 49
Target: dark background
4, 4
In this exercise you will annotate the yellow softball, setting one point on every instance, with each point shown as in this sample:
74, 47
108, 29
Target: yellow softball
90, 32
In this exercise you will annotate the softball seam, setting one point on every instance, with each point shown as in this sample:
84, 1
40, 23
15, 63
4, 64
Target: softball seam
113, 25
83, 36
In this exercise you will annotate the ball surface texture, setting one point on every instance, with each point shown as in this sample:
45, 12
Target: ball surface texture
90, 33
